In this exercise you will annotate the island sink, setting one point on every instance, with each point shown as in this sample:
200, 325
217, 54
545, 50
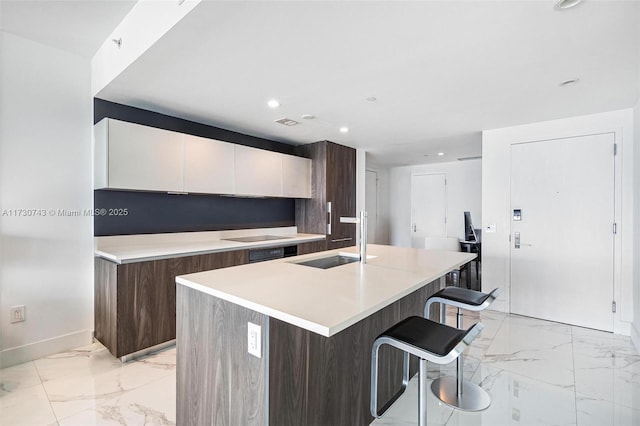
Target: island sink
329, 262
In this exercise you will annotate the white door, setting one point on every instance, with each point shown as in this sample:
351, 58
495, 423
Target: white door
371, 201
562, 247
428, 207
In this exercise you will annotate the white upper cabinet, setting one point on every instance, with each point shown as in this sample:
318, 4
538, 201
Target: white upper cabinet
135, 157
296, 177
208, 166
258, 172
130, 156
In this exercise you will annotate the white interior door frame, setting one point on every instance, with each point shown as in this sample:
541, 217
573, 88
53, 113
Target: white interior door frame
436, 224
565, 191
624, 313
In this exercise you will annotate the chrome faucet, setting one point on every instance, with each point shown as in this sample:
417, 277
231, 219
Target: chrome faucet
362, 220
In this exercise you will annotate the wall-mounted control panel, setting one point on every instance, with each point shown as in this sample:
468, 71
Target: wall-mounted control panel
517, 215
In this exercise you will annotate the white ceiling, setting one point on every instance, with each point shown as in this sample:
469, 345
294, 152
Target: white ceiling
442, 71
77, 26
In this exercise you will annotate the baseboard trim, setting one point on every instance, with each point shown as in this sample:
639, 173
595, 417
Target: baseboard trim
31, 351
635, 336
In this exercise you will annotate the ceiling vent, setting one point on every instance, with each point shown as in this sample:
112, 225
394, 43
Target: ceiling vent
287, 122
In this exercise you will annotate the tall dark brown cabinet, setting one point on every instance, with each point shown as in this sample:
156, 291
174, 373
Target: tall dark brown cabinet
333, 184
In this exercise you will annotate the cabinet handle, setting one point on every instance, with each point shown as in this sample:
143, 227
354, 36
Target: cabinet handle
329, 213
339, 240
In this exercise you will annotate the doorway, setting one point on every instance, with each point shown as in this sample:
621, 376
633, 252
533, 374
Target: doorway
562, 230
371, 203
428, 207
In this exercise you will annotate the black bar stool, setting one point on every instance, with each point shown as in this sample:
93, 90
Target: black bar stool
429, 341
458, 392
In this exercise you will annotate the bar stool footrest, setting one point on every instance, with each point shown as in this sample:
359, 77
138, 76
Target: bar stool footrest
473, 397
391, 401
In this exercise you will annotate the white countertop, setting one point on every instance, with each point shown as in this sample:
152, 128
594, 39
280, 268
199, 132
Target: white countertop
327, 301
138, 248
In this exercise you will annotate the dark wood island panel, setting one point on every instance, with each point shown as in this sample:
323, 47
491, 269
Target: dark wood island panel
219, 382
135, 303
316, 380
306, 379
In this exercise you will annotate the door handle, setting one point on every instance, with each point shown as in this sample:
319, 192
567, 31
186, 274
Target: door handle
413, 227
329, 214
516, 240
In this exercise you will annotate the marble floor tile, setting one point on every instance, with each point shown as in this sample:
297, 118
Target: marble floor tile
69, 396
607, 368
86, 361
620, 386
594, 412
537, 349
404, 411
534, 325
518, 400
470, 364
151, 404
491, 321
28, 406
18, 377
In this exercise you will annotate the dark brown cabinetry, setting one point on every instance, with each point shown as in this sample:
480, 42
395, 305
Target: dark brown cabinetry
135, 303
312, 247
333, 184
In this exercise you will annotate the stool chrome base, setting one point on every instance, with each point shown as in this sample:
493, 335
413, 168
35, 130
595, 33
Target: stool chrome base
473, 397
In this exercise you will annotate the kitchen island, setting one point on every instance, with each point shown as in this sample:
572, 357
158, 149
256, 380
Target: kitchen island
315, 329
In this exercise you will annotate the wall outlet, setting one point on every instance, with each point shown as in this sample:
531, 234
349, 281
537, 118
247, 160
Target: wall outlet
254, 339
18, 313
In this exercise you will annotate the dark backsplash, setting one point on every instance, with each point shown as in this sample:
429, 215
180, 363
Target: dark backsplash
157, 212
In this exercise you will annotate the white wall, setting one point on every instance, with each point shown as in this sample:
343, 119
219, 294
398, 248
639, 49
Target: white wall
496, 147
464, 193
45, 163
635, 326
145, 24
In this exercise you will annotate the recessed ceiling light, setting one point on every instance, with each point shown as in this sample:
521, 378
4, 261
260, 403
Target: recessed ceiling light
344, 129
273, 103
570, 82
566, 4
308, 116
440, 154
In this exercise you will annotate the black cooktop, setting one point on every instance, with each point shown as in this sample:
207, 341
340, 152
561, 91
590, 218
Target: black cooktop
256, 238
